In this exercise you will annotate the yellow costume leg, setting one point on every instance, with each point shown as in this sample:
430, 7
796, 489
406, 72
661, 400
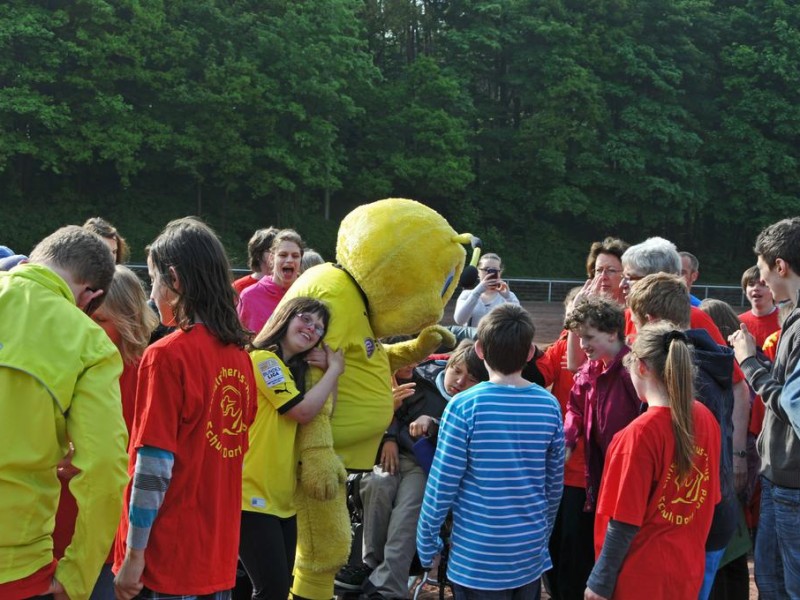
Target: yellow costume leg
323, 543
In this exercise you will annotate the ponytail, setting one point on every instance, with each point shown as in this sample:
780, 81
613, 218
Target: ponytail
668, 355
678, 377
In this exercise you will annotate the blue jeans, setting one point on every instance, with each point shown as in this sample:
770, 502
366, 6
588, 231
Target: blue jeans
713, 558
777, 553
531, 591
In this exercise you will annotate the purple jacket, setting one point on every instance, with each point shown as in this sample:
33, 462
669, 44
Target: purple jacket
601, 403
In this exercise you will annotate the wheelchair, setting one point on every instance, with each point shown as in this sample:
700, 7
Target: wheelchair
418, 578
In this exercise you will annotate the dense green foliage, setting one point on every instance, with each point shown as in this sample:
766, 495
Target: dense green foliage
539, 125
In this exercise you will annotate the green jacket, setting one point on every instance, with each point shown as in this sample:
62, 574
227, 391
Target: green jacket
59, 382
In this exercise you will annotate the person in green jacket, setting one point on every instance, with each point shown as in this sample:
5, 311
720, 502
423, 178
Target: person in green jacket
59, 393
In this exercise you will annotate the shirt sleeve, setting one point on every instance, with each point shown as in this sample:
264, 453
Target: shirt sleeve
275, 381
767, 384
549, 363
790, 400
159, 401
98, 432
241, 308
628, 477
449, 466
573, 420
465, 305
151, 478
616, 544
554, 473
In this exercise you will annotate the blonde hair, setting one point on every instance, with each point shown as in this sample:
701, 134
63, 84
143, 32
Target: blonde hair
126, 305
491, 256
666, 351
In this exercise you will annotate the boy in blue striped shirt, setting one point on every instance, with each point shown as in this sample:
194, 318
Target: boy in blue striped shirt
499, 467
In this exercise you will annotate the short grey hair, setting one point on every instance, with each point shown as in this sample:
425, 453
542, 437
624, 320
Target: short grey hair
693, 262
654, 255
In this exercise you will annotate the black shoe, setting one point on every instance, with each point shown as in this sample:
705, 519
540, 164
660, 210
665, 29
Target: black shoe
350, 577
370, 592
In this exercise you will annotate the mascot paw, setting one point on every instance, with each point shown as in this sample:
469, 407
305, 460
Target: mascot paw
322, 473
435, 336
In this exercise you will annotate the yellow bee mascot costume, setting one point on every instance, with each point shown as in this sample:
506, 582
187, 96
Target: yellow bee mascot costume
398, 263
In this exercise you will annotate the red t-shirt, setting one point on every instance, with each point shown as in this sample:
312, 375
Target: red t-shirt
127, 389
243, 283
35, 584
195, 398
698, 320
770, 346
553, 367
761, 327
667, 556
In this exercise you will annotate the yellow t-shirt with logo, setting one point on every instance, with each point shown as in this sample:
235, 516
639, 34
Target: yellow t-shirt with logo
270, 465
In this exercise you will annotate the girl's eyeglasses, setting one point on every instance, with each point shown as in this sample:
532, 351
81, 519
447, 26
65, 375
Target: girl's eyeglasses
309, 323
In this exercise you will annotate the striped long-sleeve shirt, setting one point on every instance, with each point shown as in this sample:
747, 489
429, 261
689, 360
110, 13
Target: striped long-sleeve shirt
499, 466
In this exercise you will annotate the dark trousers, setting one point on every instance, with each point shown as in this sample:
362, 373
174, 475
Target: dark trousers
732, 581
531, 591
267, 548
571, 547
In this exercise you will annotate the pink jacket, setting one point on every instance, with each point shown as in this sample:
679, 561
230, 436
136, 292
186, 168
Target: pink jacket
258, 302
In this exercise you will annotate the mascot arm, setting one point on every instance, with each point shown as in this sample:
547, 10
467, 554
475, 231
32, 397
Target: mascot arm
321, 471
413, 351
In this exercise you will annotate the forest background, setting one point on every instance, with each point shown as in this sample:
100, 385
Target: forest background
538, 125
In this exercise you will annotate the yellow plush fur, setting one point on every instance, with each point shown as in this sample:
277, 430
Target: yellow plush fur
406, 260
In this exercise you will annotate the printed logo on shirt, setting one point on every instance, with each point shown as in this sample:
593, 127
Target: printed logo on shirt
258, 502
369, 345
272, 372
681, 498
226, 423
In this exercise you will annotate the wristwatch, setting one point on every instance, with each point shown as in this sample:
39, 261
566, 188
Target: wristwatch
740, 453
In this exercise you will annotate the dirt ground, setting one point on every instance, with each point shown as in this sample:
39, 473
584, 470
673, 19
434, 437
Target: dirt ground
548, 317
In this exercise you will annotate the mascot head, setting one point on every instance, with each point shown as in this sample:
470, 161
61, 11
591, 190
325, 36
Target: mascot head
407, 260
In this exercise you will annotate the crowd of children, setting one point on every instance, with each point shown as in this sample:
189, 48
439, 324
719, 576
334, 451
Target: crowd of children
619, 462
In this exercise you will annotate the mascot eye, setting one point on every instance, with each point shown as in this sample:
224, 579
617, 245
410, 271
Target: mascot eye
447, 282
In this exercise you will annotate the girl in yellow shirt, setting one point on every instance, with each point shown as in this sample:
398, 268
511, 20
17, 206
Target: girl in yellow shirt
289, 342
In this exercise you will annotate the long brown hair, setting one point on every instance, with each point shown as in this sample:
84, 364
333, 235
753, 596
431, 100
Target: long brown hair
193, 249
666, 351
277, 325
106, 230
722, 314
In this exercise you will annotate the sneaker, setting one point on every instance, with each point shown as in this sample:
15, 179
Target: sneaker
370, 592
350, 577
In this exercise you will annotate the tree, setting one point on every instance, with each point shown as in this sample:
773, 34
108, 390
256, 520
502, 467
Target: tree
755, 150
